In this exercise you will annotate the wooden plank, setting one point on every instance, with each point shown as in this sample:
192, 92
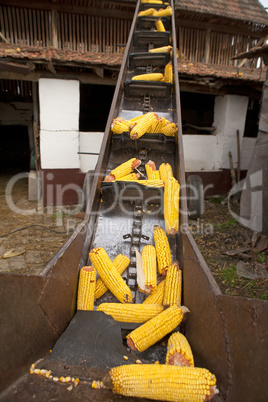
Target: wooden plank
88, 34
42, 22
66, 34
73, 30
10, 25
208, 49
17, 17
77, 33
14, 23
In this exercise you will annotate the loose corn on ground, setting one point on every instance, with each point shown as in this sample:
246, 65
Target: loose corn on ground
121, 262
162, 382
172, 294
155, 329
163, 253
179, 352
138, 313
86, 288
109, 274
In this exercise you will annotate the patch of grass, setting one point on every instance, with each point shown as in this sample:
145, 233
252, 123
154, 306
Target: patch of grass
216, 200
58, 215
263, 297
230, 224
229, 276
261, 257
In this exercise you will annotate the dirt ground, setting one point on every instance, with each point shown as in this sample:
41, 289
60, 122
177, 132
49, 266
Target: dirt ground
30, 235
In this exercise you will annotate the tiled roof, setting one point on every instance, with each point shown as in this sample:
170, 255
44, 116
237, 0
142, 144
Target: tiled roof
245, 10
26, 54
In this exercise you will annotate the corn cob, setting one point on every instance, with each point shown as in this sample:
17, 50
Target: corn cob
160, 123
157, 295
168, 73
171, 206
121, 262
149, 183
148, 77
167, 12
163, 253
163, 49
155, 329
110, 275
130, 177
143, 126
137, 313
123, 170
165, 171
179, 352
152, 1
170, 130
160, 26
172, 294
162, 382
149, 267
134, 119
144, 13
152, 173
86, 288
119, 126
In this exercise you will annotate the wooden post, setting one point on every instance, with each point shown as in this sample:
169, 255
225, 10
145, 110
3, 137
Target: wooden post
207, 46
54, 30
238, 155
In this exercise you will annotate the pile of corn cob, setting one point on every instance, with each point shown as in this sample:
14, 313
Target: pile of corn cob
145, 123
155, 178
159, 314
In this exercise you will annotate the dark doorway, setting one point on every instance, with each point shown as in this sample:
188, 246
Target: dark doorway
95, 104
14, 149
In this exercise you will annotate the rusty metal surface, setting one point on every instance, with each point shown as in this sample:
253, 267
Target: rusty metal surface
246, 321
26, 333
205, 328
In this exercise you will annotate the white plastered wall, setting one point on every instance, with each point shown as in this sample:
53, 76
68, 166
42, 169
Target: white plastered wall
210, 152
59, 123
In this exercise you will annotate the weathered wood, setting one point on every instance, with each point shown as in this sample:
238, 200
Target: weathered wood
207, 46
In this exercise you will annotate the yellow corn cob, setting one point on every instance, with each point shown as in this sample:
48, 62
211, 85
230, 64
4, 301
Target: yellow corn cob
172, 294
134, 119
118, 126
148, 77
163, 49
161, 122
121, 262
123, 170
162, 382
149, 183
149, 266
86, 288
163, 253
151, 171
179, 352
155, 329
168, 73
152, 1
171, 205
143, 126
137, 313
170, 130
149, 11
167, 12
130, 177
160, 26
110, 275
165, 171
157, 295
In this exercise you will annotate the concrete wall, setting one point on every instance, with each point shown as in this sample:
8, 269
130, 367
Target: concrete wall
210, 152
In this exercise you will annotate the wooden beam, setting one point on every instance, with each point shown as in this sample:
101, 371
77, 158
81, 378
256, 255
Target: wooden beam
54, 30
14, 68
207, 46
